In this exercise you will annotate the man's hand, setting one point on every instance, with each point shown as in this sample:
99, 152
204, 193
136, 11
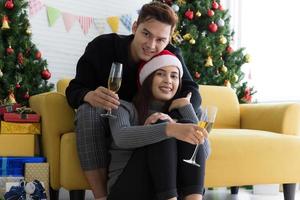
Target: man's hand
180, 102
103, 98
158, 116
190, 133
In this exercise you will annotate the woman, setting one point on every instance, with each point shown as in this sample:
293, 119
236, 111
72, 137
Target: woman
148, 145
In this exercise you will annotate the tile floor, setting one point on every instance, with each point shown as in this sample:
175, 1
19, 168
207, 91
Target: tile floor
216, 194
222, 194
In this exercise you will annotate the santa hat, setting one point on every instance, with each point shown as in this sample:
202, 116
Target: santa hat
164, 58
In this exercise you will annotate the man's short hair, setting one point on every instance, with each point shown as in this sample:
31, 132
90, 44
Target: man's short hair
159, 11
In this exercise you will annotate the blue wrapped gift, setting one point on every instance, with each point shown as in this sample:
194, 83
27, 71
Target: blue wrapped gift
14, 166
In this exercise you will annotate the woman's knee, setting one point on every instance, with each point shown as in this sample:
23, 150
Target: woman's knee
168, 146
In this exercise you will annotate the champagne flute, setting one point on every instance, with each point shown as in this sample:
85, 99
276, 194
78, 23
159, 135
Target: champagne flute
207, 120
114, 83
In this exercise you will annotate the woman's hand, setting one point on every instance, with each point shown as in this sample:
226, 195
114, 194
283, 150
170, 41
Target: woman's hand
190, 133
158, 116
180, 102
103, 98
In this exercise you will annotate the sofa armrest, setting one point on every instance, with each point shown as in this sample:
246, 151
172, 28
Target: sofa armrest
276, 117
57, 118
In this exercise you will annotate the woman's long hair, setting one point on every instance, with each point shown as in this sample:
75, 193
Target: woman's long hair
144, 97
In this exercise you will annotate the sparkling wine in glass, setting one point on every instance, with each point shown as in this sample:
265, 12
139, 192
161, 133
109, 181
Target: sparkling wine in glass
114, 83
207, 120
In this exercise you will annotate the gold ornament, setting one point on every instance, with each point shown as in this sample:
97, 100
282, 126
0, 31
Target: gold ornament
247, 58
235, 78
187, 36
224, 69
10, 99
192, 41
181, 2
209, 62
28, 31
177, 37
223, 39
198, 13
5, 25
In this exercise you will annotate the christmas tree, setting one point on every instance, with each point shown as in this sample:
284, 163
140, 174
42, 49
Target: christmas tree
205, 38
23, 72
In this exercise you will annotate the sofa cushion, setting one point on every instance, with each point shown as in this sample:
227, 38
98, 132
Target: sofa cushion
225, 99
62, 85
237, 152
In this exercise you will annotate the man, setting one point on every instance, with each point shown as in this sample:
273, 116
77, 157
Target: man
88, 90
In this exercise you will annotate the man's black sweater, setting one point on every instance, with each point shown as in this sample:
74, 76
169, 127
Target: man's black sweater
94, 66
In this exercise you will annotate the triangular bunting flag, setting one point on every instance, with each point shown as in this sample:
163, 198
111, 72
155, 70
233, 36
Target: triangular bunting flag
113, 23
100, 24
68, 20
53, 15
35, 6
126, 21
85, 23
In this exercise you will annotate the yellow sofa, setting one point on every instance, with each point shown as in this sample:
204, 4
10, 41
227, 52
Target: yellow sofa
251, 144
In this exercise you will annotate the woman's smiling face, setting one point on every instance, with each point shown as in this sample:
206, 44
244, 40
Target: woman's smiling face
165, 83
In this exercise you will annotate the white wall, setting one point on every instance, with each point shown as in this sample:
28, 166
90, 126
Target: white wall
270, 33
62, 49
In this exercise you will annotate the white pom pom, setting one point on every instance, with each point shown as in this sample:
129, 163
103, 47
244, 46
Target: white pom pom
29, 188
220, 22
175, 7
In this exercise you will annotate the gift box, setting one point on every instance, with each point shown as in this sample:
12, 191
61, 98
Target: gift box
27, 145
20, 128
21, 117
38, 171
14, 166
9, 108
33, 190
4, 181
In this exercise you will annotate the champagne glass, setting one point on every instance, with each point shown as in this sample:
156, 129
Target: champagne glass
114, 83
207, 120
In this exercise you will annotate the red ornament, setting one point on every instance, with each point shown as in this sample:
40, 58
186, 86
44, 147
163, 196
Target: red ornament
221, 7
197, 75
213, 27
20, 58
189, 14
229, 49
247, 95
45, 74
9, 4
26, 95
9, 50
210, 13
18, 86
215, 5
38, 55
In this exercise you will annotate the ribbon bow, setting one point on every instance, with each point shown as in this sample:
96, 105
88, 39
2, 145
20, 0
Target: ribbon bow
24, 110
22, 193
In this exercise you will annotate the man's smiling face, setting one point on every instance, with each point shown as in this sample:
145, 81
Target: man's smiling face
150, 38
